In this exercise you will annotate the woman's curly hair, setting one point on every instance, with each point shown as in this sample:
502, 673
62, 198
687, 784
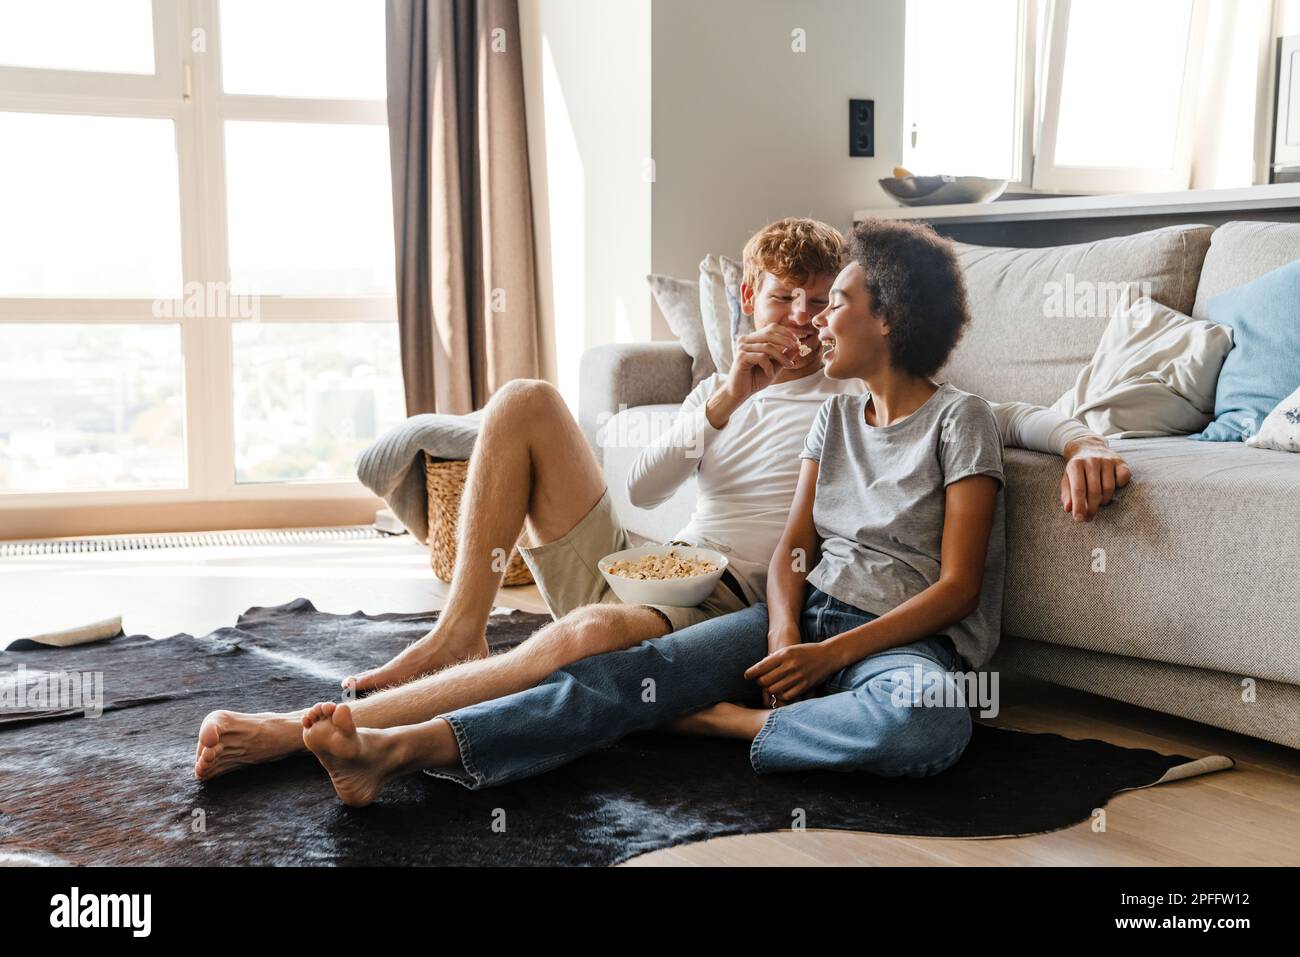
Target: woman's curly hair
916, 286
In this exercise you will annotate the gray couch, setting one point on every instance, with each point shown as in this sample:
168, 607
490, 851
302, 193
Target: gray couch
1197, 610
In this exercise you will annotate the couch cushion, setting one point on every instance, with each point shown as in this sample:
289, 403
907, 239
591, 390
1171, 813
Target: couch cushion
1038, 314
1263, 367
1200, 557
1242, 252
621, 441
1154, 373
1281, 428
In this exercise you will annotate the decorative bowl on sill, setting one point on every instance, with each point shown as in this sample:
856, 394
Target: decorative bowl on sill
942, 190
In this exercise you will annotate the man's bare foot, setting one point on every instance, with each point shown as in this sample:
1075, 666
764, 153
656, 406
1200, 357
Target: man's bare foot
360, 761
722, 721
433, 652
229, 740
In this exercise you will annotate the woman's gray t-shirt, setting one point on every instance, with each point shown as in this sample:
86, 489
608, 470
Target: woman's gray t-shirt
880, 500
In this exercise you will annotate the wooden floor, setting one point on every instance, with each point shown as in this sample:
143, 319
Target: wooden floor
1246, 816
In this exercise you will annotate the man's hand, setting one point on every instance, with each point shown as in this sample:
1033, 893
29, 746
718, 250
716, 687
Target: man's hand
1092, 474
760, 355
793, 671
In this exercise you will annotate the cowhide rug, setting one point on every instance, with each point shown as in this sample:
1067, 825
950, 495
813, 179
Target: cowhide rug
119, 789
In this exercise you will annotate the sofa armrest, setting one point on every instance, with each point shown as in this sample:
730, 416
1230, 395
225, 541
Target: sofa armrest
626, 375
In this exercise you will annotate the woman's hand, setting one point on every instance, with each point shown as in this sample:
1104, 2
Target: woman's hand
793, 671
782, 636
778, 637
787, 578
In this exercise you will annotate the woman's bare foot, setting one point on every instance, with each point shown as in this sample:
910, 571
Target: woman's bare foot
229, 740
723, 721
433, 652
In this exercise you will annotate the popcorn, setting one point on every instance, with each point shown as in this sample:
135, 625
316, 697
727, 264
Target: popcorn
668, 565
804, 350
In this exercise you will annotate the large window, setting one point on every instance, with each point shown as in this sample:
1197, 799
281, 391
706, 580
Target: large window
1119, 95
196, 249
967, 88
1054, 95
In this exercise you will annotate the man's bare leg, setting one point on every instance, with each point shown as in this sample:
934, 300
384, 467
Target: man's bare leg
361, 761
230, 740
531, 462
531, 465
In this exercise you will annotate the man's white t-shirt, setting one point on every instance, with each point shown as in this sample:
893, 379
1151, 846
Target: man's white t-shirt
748, 470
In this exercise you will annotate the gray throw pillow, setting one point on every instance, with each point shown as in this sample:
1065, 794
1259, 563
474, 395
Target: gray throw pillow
679, 301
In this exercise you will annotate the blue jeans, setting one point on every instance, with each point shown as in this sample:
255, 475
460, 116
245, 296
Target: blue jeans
869, 716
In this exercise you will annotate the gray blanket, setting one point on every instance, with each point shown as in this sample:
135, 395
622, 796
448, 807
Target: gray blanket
393, 467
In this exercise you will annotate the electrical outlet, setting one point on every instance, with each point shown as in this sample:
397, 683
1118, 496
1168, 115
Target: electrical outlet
862, 127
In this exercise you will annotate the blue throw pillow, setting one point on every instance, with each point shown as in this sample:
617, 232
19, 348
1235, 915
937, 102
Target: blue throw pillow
1263, 367
741, 324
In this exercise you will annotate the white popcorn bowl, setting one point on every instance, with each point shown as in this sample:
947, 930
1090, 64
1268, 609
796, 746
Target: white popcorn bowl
678, 592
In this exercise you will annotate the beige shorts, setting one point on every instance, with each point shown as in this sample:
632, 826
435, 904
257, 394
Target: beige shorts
566, 573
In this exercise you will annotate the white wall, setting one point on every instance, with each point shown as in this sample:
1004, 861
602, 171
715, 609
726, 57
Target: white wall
587, 90
745, 130
741, 129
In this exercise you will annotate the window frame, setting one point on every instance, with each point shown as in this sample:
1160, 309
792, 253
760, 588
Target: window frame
1049, 177
186, 88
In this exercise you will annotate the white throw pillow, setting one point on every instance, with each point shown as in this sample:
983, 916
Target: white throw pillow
715, 313
1281, 428
1153, 373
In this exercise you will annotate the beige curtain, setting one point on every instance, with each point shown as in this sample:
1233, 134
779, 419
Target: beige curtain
462, 207
1234, 118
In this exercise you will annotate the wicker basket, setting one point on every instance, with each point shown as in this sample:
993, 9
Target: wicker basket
445, 482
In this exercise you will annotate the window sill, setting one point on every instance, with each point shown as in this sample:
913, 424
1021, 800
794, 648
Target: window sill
1190, 202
